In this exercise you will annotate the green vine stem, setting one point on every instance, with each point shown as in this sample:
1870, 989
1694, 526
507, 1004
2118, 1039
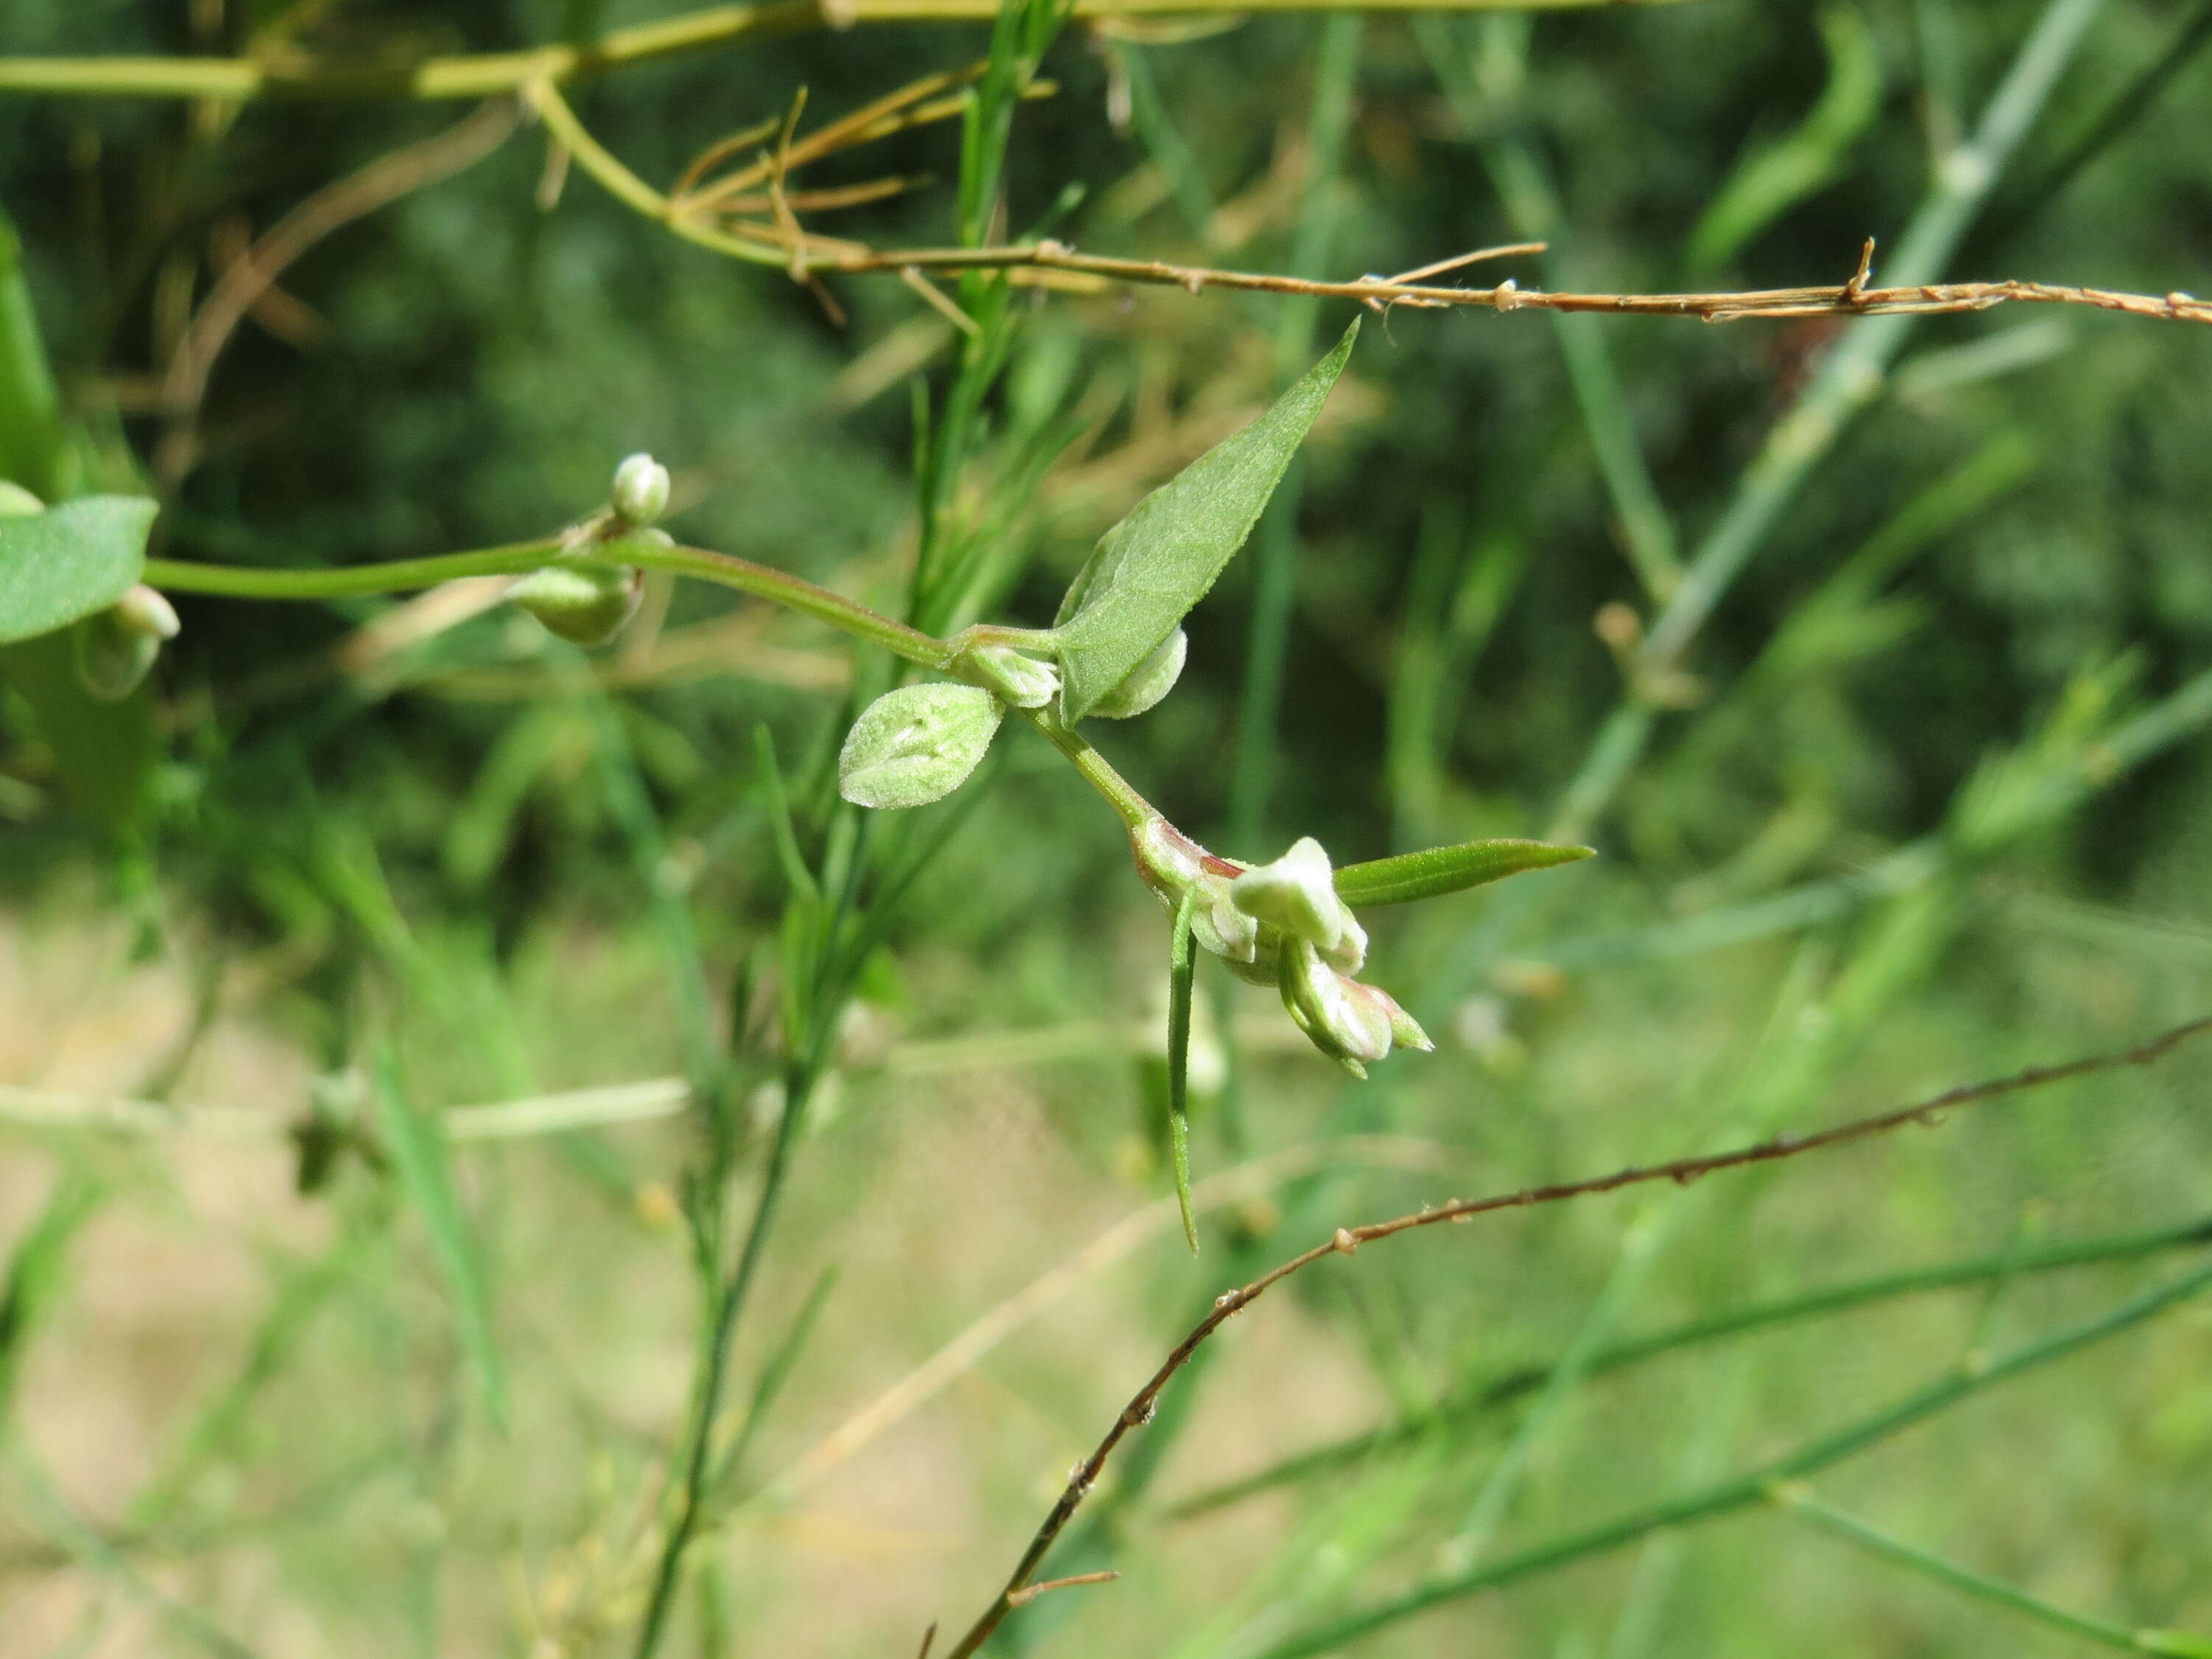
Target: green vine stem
353, 581
727, 570
1493, 1394
1798, 1499
518, 558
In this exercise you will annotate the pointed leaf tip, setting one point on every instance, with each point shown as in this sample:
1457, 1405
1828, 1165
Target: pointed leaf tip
1150, 569
1441, 870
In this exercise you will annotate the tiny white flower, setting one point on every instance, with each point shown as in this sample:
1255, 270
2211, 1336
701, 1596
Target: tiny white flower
1297, 893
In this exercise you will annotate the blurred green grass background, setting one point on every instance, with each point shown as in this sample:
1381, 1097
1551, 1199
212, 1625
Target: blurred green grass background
1934, 807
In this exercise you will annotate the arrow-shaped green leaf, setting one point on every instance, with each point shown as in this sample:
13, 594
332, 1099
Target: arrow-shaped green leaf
1442, 870
1150, 569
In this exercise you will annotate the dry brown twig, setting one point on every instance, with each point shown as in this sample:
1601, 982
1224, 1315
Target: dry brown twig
1854, 298
712, 211
1346, 1240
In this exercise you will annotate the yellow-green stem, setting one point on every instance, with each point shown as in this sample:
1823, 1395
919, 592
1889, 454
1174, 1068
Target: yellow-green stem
480, 74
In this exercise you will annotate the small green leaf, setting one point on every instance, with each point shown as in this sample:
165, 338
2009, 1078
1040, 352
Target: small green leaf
69, 561
1442, 870
915, 744
417, 1142
1150, 569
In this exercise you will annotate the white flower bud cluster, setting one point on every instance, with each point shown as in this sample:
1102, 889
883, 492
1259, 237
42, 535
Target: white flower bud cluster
1282, 924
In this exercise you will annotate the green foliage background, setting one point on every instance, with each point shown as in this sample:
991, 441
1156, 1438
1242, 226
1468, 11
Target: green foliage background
423, 858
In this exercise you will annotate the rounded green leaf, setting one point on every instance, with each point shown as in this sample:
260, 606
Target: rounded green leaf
1447, 869
916, 745
69, 562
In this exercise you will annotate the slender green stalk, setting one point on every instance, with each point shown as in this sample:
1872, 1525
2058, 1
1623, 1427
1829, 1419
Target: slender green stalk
1696, 1333
1852, 374
1523, 182
2120, 118
1180, 967
473, 75
1275, 571
799, 1083
774, 1375
793, 593
32, 435
518, 558
302, 1297
2180, 714
822, 952
34, 1272
604, 166
563, 1113
1170, 152
1848, 379
1799, 1500
630, 805
87, 1544
1120, 793
1745, 1490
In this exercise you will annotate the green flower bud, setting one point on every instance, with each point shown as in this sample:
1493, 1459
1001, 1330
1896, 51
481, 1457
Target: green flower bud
1405, 1030
640, 496
116, 647
144, 610
1148, 682
1343, 1018
585, 603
